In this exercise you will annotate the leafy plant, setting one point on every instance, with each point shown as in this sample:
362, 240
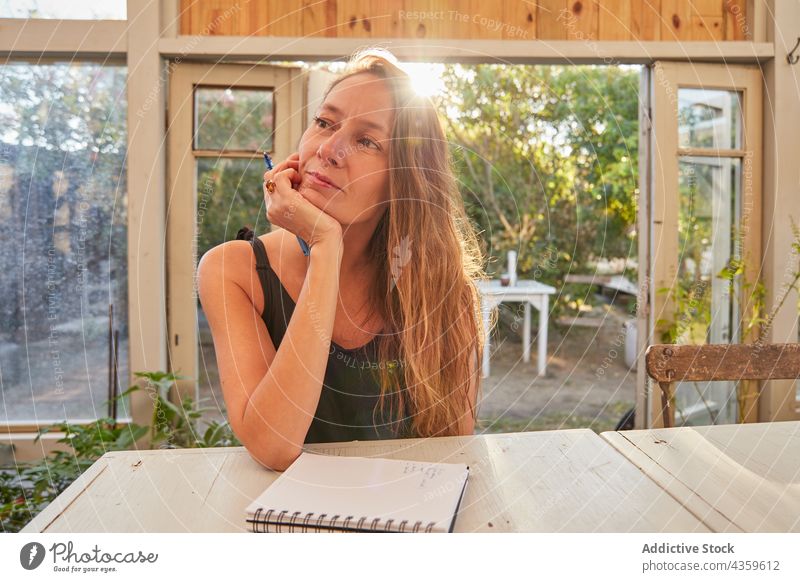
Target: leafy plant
693, 309
27, 489
546, 164
755, 321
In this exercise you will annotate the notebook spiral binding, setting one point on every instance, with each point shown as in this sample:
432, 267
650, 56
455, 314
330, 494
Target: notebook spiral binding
272, 521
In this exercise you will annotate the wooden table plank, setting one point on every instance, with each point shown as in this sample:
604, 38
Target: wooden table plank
565, 480
58, 506
682, 494
569, 480
738, 477
142, 491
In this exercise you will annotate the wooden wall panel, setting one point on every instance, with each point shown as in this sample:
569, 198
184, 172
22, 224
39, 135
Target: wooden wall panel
257, 18
615, 20
676, 20
355, 19
646, 19
735, 19
456, 21
319, 18
584, 23
708, 28
708, 22
185, 17
398, 18
223, 22
520, 16
459, 18
285, 17
423, 18
552, 17
487, 19
707, 7
386, 18
214, 17
612, 20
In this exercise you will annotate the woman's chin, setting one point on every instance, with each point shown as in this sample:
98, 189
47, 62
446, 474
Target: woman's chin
318, 191
322, 198
308, 191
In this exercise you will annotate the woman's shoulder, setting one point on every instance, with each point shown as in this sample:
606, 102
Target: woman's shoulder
236, 256
225, 259
234, 261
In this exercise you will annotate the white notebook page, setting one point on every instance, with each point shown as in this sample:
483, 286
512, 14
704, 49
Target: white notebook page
367, 487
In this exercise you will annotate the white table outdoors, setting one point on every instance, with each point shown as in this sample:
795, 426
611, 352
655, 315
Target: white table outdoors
734, 477
554, 481
529, 292
727, 478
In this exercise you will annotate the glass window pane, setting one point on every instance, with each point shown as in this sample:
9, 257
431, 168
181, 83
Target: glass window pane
233, 119
63, 220
229, 196
709, 119
709, 210
71, 10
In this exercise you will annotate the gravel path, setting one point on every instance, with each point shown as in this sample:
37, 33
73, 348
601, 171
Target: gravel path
587, 383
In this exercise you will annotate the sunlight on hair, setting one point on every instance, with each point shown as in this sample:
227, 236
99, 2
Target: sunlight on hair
426, 78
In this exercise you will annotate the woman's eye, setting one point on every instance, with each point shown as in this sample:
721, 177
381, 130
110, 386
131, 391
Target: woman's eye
367, 142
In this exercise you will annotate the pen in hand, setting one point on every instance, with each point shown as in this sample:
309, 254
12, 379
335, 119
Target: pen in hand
303, 244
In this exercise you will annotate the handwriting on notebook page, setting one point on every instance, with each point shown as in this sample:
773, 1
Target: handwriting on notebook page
429, 472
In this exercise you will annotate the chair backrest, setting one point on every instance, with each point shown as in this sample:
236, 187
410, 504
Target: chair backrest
667, 363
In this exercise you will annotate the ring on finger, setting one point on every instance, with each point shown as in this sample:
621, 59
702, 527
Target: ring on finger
270, 184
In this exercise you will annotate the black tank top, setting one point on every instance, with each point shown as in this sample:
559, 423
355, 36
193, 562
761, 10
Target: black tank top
347, 408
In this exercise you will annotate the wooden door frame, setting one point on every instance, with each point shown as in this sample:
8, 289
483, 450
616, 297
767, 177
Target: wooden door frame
181, 208
665, 79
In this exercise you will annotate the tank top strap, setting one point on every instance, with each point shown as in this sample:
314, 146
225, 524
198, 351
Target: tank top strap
278, 308
262, 261
262, 266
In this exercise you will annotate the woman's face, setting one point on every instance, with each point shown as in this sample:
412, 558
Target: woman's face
344, 154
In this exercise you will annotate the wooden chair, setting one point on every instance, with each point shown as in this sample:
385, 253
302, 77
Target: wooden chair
668, 363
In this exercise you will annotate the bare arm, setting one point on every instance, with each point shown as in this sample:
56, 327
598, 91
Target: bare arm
271, 396
278, 414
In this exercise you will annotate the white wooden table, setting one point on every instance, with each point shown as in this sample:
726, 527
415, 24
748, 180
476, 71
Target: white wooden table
531, 293
733, 477
555, 481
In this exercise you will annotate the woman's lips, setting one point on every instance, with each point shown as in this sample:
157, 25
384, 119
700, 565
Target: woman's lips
318, 181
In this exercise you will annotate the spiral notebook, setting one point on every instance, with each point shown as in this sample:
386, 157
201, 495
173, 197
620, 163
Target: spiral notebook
331, 493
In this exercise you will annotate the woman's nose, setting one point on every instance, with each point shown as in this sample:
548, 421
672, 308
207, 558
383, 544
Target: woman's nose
331, 152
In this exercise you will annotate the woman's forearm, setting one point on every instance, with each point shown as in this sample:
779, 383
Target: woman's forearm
278, 415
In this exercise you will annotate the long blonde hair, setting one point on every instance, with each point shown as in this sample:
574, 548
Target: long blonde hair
428, 256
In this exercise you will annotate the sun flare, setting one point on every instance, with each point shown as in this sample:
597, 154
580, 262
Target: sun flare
426, 78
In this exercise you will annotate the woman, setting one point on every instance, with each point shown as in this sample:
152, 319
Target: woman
377, 333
